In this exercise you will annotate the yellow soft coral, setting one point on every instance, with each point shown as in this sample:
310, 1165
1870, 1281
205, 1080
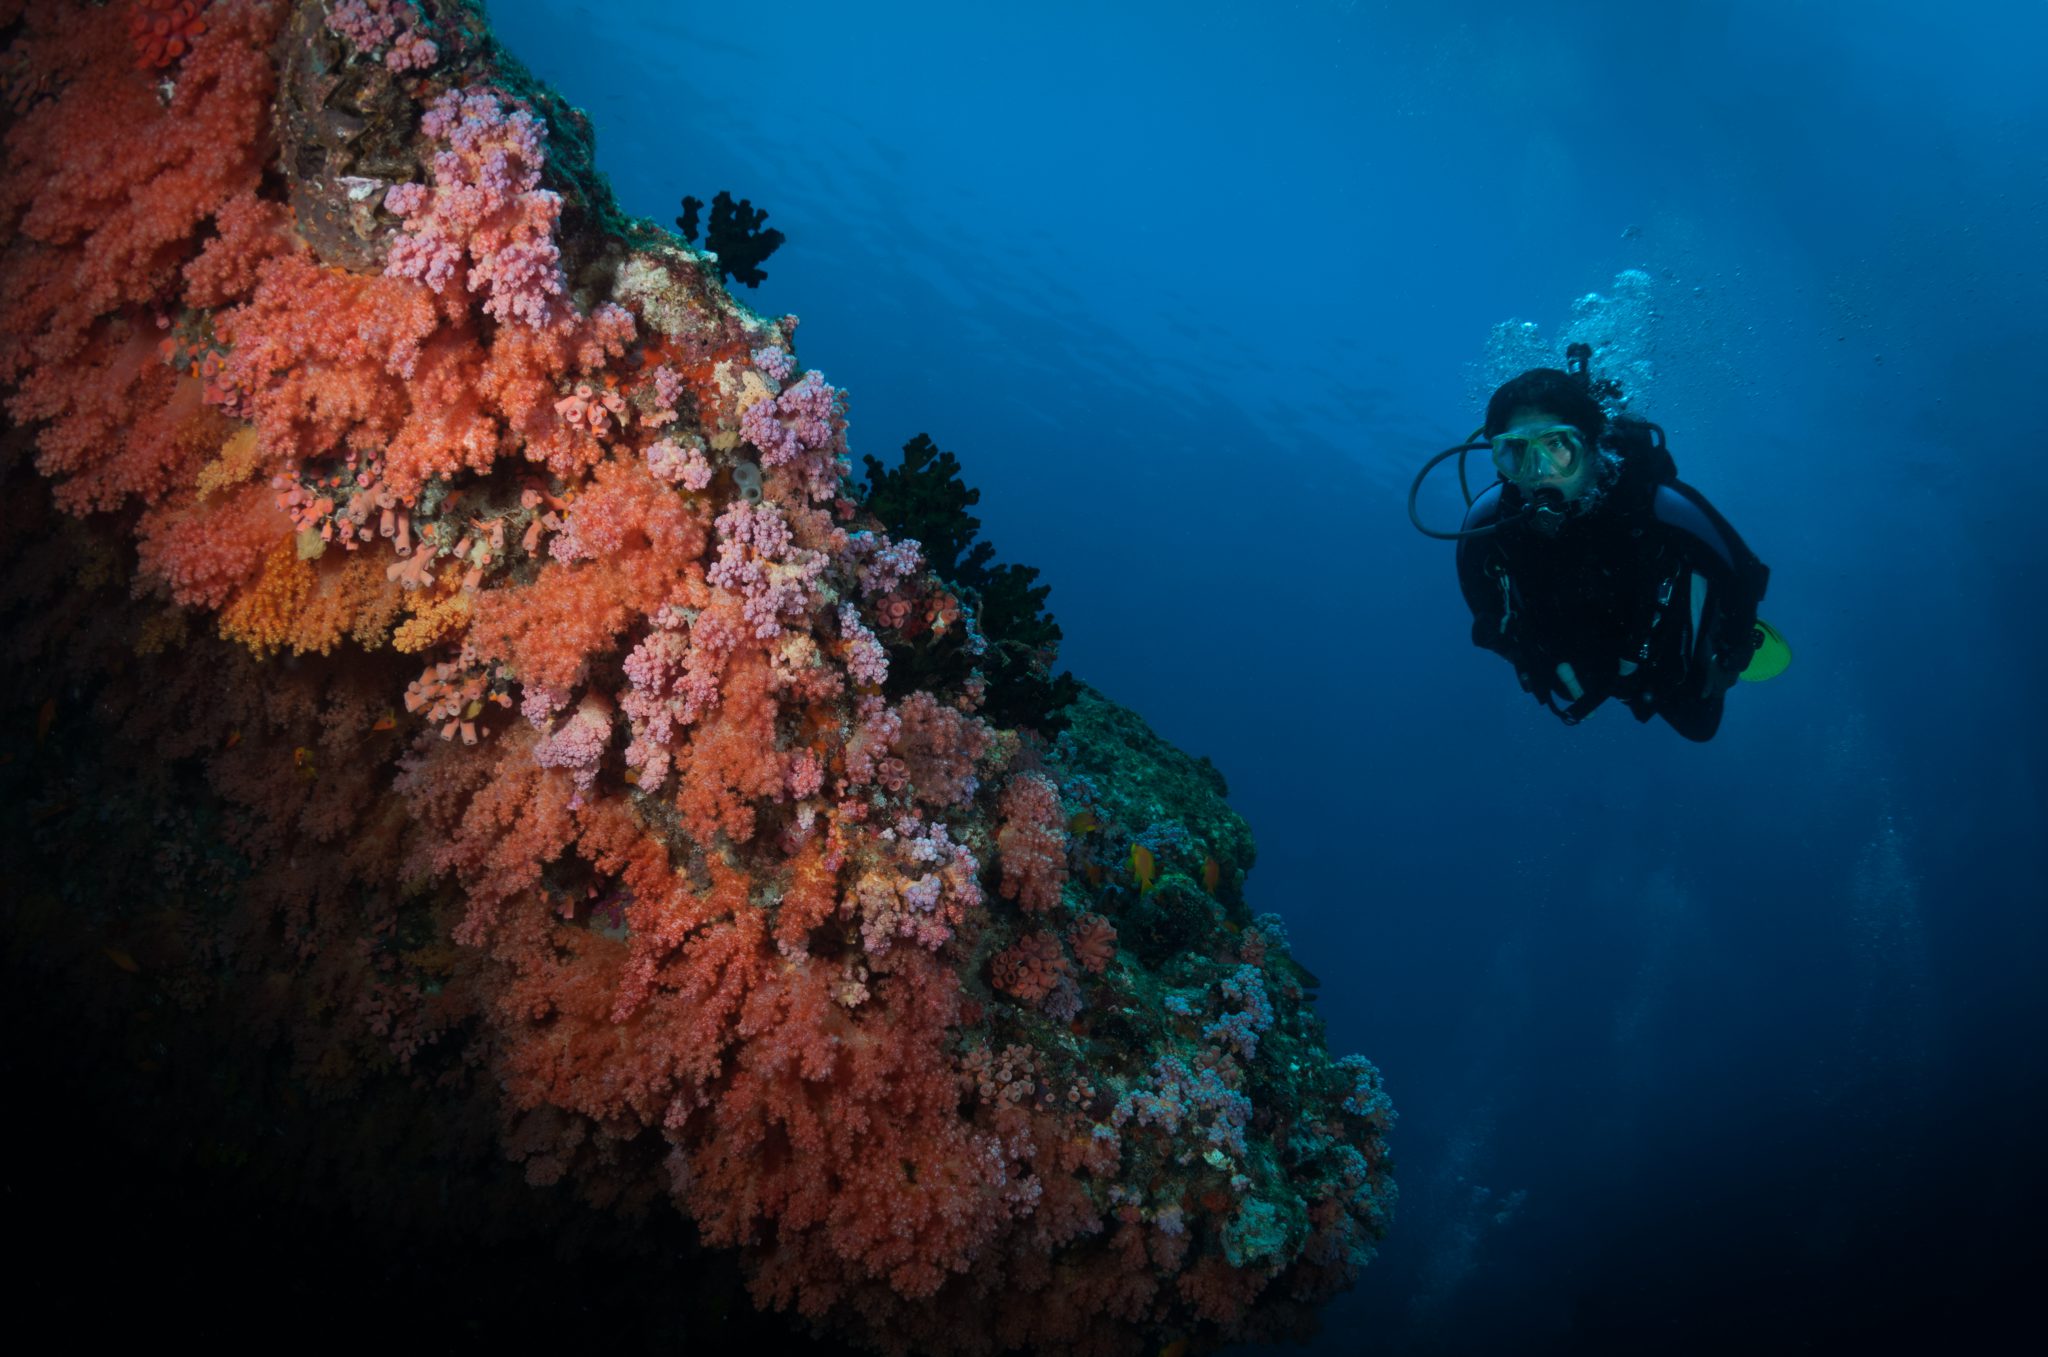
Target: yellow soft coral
239, 459
431, 622
307, 607
263, 615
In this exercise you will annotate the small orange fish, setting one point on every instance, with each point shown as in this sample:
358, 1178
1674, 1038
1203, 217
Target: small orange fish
1095, 874
388, 721
123, 960
1212, 874
302, 763
1143, 866
234, 738
1177, 1348
45, 715
1083, 822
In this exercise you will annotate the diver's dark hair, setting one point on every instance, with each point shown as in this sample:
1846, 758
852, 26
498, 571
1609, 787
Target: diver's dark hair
1552, 389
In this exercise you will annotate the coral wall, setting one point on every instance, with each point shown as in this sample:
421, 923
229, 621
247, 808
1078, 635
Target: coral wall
575, 745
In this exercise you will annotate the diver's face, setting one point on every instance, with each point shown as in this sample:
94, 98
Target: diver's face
1563, 464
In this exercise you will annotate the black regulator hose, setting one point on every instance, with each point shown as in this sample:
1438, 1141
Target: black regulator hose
1460, 452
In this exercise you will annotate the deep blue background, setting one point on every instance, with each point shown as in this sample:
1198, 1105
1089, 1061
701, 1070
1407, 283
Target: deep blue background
1692, 1045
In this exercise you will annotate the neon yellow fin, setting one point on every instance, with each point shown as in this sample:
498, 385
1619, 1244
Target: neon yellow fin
1773, 657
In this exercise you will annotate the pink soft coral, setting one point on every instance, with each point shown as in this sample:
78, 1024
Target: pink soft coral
486, 206
758, 559
1032, 843
941, 748
803, 431
391, 26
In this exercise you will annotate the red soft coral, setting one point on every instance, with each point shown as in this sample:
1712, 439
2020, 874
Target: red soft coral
118, 423
325, 360
650, 537
109, 187
322, 361
837, 1138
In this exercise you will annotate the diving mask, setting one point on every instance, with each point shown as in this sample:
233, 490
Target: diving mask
1537, 453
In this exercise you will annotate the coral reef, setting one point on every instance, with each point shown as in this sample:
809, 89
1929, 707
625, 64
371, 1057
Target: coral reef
473, 678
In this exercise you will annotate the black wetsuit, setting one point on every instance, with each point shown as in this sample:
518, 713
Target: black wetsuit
1649, 597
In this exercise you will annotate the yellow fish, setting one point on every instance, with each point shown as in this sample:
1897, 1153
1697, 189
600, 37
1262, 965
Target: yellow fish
1177, 1348
122, 959
388, 721
302, 763
1083, 822
1212, 874
1143, 866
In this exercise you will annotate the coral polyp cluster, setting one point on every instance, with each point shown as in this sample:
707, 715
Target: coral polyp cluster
576, 742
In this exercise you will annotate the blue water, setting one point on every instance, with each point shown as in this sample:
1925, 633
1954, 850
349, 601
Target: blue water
1694, 1046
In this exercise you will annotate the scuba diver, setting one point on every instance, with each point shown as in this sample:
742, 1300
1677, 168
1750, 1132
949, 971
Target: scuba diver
1593, 570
